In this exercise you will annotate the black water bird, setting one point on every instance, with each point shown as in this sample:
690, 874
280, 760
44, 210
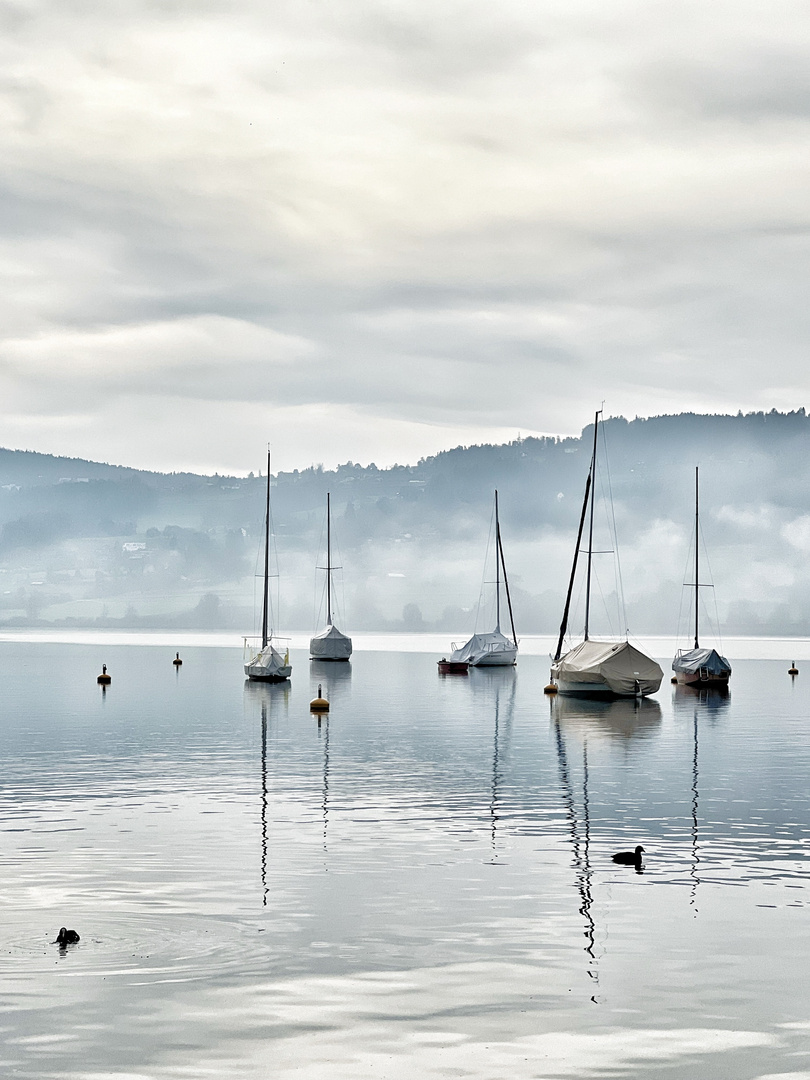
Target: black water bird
629, 858
66, 937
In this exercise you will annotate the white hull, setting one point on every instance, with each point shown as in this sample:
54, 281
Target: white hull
330, 644
500, 658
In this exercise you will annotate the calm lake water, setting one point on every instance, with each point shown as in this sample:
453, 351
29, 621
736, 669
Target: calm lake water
419, 885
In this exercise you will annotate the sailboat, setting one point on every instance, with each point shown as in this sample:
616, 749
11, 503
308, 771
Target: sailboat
493, 649
700, 667
267, 665
601, 669
330, 644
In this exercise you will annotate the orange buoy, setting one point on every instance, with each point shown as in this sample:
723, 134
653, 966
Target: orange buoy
319, 704
177, 661
793, 670
550, 689
104, 679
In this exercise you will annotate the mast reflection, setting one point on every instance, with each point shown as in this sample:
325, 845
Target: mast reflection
496, 756
267, 693
580, 847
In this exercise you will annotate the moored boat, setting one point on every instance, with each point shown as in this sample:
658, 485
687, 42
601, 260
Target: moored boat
600, 669
330, 644
493, 649
267, 665
696, 666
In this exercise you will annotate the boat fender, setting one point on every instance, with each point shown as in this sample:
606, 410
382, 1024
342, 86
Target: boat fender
104, 679
319, 704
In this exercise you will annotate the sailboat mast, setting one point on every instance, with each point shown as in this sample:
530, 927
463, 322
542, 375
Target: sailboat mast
697, 545
590, 527
506, 583
328, 560
265, 601
564, 623
497, 569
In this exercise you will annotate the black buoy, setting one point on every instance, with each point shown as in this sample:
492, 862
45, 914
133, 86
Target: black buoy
66, 937
793, 670
104, 679
177, 661
629, 858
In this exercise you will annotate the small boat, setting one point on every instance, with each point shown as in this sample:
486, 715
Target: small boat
267, 665
493, 649
599, 669
453, 667
700, 667
330, 644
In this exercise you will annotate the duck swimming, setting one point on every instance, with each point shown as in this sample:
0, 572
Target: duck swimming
629, 858
66, 937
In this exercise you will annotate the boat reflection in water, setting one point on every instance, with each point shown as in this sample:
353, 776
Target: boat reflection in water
621, 718
710, 701
272, 697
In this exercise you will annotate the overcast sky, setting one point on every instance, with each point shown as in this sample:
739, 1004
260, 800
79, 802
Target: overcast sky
373, 230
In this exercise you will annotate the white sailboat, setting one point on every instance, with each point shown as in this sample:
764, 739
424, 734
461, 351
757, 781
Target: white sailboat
700, 667
267, 665
493, 649
330, 644
602, 669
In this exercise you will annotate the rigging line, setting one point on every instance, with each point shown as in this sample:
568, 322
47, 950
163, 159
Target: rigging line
615, 538
506, 585
484, 571
716, 627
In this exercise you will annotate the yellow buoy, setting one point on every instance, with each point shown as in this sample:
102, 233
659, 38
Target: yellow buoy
177, 661
319, 704
104, 679
793, 670
673, 679
550, 689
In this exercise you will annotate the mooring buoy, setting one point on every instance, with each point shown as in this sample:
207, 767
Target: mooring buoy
319, 704
793, 670
104, 679
550, 689
177, 661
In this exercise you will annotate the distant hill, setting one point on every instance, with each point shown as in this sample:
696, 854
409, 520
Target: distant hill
84, 543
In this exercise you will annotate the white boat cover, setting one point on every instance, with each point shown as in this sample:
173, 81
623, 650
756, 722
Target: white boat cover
486, 650
690, 661
269, 665
330, 644
607, 667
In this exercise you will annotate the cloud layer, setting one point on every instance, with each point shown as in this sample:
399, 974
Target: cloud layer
370, 231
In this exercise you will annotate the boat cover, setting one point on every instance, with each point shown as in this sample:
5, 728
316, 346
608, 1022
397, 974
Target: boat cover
620, 667
330, 644
690, 661
269, 664
492, 648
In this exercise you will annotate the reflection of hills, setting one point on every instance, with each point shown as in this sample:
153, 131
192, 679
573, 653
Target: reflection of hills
712, 701
624, 718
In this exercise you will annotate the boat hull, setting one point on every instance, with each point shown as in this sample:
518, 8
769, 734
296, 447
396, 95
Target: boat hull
453, 667
282, 675
701, 667
597, 669
496, 659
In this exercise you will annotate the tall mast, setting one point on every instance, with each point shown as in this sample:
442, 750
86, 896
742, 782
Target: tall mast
499, 553
265, 601
564, 623
590, 527
497, 569
328, 561
697, 535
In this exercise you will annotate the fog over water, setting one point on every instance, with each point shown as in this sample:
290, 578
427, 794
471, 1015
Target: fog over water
86, 544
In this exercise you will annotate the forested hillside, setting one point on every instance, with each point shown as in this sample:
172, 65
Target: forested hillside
83, 543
